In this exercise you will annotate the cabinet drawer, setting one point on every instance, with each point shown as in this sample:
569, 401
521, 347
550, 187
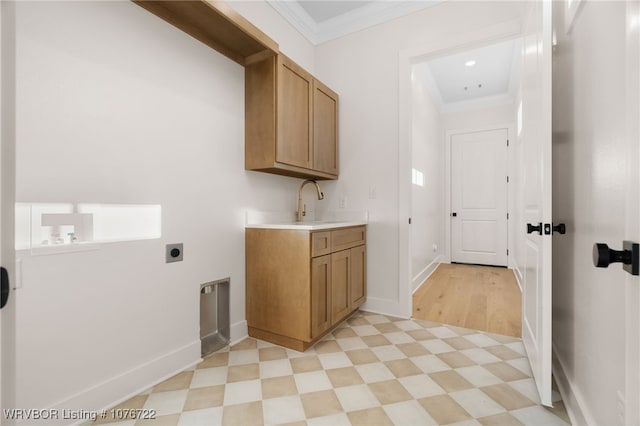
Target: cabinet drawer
342, 239
320, 243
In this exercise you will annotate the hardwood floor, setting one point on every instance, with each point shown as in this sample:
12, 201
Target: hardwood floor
479, 297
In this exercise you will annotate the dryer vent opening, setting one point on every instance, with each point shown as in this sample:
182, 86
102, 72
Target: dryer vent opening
214, 315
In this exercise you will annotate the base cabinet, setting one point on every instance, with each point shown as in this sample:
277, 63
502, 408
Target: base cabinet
320, 295
301, 284
340, 279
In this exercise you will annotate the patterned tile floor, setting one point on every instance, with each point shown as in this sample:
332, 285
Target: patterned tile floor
373, 370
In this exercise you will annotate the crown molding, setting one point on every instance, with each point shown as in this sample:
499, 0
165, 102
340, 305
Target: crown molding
347, 23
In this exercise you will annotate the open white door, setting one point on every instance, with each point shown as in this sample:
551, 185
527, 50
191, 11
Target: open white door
536, 145
479, 197
632, 222
7, 203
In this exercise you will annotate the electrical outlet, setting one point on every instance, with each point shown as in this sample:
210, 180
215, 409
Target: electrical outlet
173, 253
435, 248
342, 202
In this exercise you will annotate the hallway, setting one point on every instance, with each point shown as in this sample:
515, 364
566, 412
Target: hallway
478, 297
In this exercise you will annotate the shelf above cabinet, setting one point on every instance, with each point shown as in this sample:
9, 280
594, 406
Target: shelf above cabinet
217, 25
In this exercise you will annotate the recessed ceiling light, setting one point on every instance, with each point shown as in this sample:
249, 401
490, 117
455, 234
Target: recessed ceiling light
470, 63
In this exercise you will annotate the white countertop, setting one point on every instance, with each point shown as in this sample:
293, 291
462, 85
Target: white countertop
307, 226
287, 220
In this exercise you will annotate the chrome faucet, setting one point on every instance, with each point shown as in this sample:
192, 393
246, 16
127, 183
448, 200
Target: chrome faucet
302, 208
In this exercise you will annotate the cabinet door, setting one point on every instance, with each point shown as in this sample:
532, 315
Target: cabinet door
325, 129
358, 276
340, 287
295, 91
320, 295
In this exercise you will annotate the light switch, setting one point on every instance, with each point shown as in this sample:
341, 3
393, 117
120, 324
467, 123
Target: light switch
373, 192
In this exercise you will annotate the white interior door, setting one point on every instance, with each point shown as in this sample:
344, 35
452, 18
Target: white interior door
7, 203
479, 203
632, 222
536, 145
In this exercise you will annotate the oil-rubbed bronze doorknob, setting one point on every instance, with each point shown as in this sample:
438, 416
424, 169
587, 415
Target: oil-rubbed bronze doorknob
537, 228
4, 295
603, 256
560, 228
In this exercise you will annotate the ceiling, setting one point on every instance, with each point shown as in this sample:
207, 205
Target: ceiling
453, 86
323, 20
456, 84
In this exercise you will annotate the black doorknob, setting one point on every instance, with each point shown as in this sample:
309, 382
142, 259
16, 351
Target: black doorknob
4, 283
560, 228
454, 214
531, 228
603, 256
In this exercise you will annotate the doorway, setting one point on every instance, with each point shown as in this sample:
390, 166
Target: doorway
533, 124
462, 110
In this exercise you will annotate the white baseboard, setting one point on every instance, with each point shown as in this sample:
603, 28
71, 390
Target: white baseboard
517, 273
128, 384
419, 279
577, 409
238, 332
385, 307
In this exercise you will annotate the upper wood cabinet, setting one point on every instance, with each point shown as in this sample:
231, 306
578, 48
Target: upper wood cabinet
291, 118
291, 121
325, 129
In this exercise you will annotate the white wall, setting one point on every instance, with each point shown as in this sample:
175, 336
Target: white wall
290, 41
493, 117
594, 160
115, 105
482, 118
363, 69
427, 233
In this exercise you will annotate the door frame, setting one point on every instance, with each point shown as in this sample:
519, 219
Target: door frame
510, 127
489, 35
7, 204
632, 225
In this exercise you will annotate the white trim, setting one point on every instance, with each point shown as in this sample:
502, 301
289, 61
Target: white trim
423, 275
574, 402
631, 397
133, 382
516, 271
385, 307
407, 57
571, 13
8, 359
355, 20
238, 332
